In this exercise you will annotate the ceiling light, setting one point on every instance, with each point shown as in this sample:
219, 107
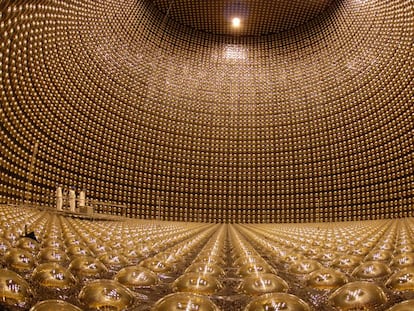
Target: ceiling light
235, 22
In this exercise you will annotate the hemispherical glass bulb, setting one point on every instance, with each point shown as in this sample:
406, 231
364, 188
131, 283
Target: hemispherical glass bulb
292, 258
253, 268
358, 296
405, 248
49, 305
106, 295
196, 283
379, 255
326, 279
360, 251
304, 266
51, 254
14, 290
4, 246
19, 260
243, 260
86, 266
407, 305
114, 261
403, 260
54, 276
28, 244
327, 256
156, 266
168, 259
136, 277
210, 259
402, 280
79, 250
347, 262
371, 270
54, 243
263, 283
277, 301
184, 301
209, 268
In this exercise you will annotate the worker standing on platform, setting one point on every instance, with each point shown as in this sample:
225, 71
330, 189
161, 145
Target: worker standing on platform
59, 198
72, 199
82, 201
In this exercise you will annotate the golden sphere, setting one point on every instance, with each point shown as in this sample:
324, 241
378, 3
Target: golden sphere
371, 270
326, 279
304, 266
4, 246
156, 266
243, 260
358, 296
403, 260
206, 268
51, 254
292, 258
184, 301
114, 261
60, 305
405, 248
277, 301
254, 268
53, 275
402, 280
52, 242
136, 277
379, 255
168, 259
210, 259
407, 305
28, 244
106, 295
87, 266
196, 283
79, 250
19, 259
262, 284
347, 262
14, 290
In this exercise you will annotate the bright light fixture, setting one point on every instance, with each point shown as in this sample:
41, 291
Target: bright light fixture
235, 22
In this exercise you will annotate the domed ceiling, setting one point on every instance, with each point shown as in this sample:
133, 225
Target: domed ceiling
257, 17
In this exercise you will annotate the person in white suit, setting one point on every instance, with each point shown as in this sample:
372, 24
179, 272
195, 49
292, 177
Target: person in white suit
82, 200
59, 198
72, 200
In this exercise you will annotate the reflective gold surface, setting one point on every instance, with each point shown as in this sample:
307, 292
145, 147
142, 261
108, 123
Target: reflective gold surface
197, 283
253, 269
402, 280
403, 306
326, 279
134, 276
358, 295
206, 268
106, 295
87, 266
371, 269
54, 305
14, 290
262, 283
19, 260
54, 276
277, 301
184, 301
304, 266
